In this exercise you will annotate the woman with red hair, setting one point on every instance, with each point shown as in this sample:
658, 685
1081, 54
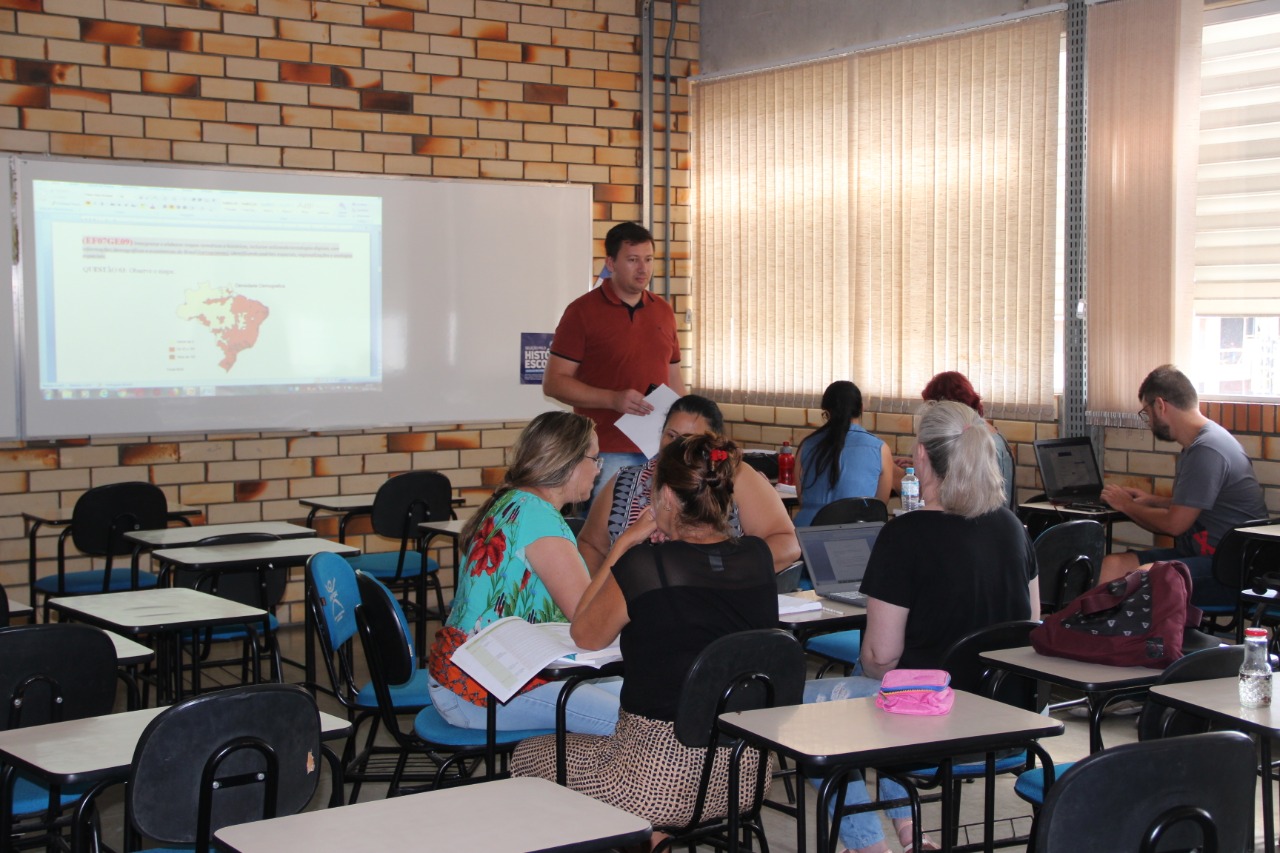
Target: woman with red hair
955, 386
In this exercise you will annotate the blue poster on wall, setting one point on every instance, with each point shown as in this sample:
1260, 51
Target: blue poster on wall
534, 349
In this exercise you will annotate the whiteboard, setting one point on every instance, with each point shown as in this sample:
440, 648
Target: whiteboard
460, 270
8, 321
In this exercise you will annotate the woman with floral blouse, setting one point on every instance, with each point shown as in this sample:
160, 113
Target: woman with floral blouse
522, 561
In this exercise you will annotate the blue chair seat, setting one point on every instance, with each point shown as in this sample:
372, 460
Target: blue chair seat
383, 565
975, 769
32, 797
412, 694
1030, 785
227, 633
840, 645
431, 727
89, 582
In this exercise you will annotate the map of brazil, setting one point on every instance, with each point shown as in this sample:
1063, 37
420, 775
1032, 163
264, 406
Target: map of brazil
233, 319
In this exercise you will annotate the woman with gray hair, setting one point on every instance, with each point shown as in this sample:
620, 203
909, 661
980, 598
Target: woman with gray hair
962, 563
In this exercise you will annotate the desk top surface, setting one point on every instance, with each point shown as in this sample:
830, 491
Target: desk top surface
129, 652
1219, 699
178, 537
856, 732
451, 527
835, 612
62, 514
250, 553
536, 815
163, 609
1089, 677
350, 503
1064, 509
97, 747
1261, 531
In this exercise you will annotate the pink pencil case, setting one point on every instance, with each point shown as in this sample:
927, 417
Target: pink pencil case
923, 692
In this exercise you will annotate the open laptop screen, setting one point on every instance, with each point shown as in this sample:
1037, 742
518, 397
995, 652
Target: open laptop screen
1068, 468
837, 554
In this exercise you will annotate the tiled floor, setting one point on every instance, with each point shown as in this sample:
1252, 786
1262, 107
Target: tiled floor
1013, 815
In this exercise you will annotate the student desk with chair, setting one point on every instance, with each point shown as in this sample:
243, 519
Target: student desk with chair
87, 752
1072, 485
829, 739
1100, 683
163, 614
1218, 700
60, 516
534, 814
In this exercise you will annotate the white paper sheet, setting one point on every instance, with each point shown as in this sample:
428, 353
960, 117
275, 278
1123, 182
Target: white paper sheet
646, 430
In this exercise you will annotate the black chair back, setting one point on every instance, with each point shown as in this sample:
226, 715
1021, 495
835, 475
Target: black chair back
738, 672
1238, 560
1175, 793
256, 586
4, 608
104, 514
972, 673
55, 672
388, 647
234, 756
1070, 557
850, 510
405, 501
1159, 720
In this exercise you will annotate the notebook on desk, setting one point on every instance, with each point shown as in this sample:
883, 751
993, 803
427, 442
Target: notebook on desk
1069, 471
836, 556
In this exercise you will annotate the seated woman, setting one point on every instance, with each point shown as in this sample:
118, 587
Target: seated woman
669, 600
522, 561
841, 459
756, 509
934, 576
955, 386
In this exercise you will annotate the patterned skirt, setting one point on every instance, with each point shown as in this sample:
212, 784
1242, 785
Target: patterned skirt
641, 769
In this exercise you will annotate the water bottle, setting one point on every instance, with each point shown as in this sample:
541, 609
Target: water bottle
910, 491
786, 465
1255, 672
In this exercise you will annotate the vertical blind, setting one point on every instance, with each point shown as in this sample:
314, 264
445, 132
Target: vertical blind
1143, 72
880, 218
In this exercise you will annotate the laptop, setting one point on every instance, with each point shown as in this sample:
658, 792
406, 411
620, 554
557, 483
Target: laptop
836, 556
1069, 471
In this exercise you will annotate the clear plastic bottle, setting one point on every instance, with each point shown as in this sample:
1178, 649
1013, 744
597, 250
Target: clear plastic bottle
910, 491
787, 465
1255, 672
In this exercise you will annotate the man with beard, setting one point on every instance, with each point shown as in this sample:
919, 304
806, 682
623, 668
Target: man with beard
1214, 488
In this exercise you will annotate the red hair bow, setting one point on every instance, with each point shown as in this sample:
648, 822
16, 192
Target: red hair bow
719, 455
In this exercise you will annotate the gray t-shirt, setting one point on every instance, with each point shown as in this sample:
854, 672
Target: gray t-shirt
1215, 476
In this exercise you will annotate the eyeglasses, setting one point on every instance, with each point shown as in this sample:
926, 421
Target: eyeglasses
1145, 412
596, 459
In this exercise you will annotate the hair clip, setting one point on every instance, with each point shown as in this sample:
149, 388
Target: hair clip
719, 455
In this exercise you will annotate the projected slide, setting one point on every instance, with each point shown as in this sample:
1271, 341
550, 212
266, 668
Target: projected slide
162, 291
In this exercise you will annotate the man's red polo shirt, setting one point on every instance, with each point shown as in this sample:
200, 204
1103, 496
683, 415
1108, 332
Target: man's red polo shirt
617, 347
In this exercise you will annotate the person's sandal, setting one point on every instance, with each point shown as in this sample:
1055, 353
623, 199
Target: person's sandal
908, 845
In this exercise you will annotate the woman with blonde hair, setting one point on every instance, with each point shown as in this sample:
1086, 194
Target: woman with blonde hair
522, 560
962, 563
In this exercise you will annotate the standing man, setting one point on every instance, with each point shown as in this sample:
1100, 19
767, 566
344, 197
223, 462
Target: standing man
1214, 488
613, 345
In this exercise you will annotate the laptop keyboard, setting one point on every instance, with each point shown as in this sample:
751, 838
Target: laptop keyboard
855, 598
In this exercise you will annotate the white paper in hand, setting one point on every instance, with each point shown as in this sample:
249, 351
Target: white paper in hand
646, 430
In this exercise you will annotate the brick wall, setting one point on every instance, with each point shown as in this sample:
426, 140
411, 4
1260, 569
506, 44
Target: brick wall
539, 90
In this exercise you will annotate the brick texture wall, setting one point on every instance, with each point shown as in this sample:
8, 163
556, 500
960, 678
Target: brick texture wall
538, 90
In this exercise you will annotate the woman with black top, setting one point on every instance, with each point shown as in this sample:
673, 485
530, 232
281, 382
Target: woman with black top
668, 600
962, 563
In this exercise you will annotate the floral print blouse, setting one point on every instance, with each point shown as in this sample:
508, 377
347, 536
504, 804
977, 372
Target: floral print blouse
496, 581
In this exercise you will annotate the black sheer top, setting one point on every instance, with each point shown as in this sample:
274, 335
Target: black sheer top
680, 597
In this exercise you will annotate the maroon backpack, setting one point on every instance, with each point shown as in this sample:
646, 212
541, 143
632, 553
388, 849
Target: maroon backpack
1137, 620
